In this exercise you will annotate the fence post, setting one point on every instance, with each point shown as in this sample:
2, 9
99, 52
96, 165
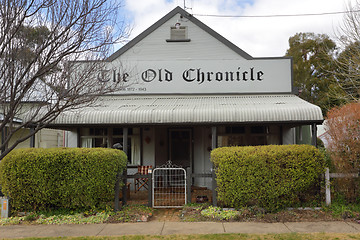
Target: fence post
188, 185
117, 192
149, 175
5, 207
213, 184
124, 188
327, 186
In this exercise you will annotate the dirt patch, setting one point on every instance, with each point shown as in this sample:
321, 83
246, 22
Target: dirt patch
132, 213
294, 216
141, 213
166, 214
193, 214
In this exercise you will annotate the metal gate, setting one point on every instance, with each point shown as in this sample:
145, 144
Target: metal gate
169, 186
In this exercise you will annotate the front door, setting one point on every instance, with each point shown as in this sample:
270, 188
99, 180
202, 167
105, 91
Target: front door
180, 147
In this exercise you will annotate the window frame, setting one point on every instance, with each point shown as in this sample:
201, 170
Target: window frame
108, 140
174, 38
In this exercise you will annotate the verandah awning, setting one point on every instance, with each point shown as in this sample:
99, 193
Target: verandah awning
195, 109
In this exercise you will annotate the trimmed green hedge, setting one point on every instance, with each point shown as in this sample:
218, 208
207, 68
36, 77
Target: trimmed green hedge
272, 177
71, 178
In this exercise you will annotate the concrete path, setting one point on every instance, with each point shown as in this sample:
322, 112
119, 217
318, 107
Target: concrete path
166, 228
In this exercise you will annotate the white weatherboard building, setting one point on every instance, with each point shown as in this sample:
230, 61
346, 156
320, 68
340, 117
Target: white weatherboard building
188, 91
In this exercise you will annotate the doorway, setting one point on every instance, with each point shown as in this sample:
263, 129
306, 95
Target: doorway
180, 147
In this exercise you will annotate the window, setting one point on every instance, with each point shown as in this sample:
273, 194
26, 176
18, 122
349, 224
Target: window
107, 137
235, 130
178, 34
257, 130
233, 136
94, 137
133, 147
249, 135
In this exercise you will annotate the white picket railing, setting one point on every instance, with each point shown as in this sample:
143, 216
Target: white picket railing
329, 175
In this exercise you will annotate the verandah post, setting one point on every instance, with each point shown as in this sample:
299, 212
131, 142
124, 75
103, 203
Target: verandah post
314, 134
124, 178
213, 175
32, 138
3, 136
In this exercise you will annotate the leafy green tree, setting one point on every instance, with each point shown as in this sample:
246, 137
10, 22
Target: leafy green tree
30, 38
312, 68
347, 71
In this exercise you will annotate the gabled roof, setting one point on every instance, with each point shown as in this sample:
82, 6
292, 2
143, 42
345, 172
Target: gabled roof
178, 10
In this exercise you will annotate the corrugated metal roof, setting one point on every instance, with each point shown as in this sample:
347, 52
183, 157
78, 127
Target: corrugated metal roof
15, 120
196, 109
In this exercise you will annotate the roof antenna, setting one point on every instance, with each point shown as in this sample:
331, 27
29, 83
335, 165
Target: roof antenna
185, 8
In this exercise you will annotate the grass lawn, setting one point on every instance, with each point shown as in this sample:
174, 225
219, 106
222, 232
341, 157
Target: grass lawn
287, 236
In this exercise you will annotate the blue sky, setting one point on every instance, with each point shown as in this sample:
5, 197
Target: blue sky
259, 37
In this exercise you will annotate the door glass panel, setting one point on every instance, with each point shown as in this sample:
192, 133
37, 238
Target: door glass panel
180, 147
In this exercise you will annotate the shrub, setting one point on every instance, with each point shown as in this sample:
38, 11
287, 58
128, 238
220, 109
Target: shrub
38, 179
343, 136
218, 213
271, 177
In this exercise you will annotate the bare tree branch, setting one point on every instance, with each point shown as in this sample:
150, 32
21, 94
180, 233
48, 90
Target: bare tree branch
40, 43
348, 61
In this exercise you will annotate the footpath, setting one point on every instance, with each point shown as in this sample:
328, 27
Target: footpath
167, 228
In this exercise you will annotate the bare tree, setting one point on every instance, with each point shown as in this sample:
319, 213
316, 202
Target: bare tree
41, 42
347, 63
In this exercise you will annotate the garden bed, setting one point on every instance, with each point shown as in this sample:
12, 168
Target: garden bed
206, 213
189, 213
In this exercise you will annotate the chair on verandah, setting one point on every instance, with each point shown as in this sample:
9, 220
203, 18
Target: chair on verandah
142, 182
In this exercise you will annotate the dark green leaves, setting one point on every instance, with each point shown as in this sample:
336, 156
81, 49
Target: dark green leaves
61, 177
272, 176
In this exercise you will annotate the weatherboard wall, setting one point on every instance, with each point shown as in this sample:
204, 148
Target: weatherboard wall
201, 46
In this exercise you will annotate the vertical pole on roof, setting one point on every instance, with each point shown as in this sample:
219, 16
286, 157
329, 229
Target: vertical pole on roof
32, 138
314, 134
125, 149
213, 174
